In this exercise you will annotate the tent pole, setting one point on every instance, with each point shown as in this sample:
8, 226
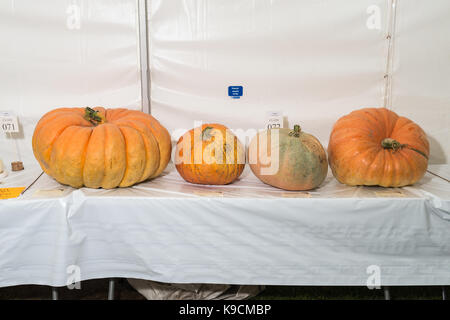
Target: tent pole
143, 55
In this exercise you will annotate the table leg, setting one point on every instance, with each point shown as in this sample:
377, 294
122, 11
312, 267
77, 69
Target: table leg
112, 283
387, 294
54, 293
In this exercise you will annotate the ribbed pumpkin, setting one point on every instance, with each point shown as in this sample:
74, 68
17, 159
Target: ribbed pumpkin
288, 159
210, 154
101, 148
375, 146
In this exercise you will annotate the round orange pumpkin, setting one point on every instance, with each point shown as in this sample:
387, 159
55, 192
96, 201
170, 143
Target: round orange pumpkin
101, 148
210, 154
288, 159
375, 146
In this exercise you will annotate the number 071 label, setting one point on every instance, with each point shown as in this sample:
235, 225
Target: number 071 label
8, 122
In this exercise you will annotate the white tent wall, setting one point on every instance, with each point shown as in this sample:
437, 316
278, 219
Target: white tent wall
56, 53
421, 70
313, 60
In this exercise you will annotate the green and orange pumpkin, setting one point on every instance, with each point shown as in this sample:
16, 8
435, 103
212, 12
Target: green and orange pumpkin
101, 148
288, 159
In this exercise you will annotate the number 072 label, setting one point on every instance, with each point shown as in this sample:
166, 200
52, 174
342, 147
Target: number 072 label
8, 122
274, 120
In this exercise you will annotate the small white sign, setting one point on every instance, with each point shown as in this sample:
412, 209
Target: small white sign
274, 120
8, 122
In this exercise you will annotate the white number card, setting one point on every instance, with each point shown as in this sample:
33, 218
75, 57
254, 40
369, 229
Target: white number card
8, 122
274, 120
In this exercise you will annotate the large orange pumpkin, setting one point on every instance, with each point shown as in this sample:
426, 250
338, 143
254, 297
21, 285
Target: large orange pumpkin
101, 148
288, 159
209, 154
375, 146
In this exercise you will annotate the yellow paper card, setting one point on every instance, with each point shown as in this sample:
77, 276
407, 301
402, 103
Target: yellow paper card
9, 193
296, 195
48, 193
209, 193
389, 194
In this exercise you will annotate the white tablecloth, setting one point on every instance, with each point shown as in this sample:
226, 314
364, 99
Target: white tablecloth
244, 233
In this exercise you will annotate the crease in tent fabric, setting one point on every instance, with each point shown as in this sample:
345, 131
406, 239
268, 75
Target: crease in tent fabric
72, 204
390, 37
437, 205
164, 191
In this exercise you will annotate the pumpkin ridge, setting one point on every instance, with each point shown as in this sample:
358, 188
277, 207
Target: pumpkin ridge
388, 172
390, 118
348, 156
400, 124
114, 114
134, 160
111, 178
44, 120
83, 155
93, 172
146, 175
407, 163
146, 137
105, 137
374, 122
39, 127
161, 135
351, 131
370, 169
367, 168
75, 158
383, 121
52, 143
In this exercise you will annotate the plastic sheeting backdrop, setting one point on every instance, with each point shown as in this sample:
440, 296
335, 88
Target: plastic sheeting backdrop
313, 60
56, 53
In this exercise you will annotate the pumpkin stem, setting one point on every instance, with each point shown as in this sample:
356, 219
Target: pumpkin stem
296, 131
92, 116
390, 143
206, 133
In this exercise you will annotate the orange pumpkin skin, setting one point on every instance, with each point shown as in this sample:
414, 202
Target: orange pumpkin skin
375, 146
100, 148
209, 154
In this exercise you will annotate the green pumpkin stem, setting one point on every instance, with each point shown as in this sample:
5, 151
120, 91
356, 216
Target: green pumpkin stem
206, 133
393, 144
296, 131
92, 116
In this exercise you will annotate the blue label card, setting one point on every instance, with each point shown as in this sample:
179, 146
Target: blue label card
235, 91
